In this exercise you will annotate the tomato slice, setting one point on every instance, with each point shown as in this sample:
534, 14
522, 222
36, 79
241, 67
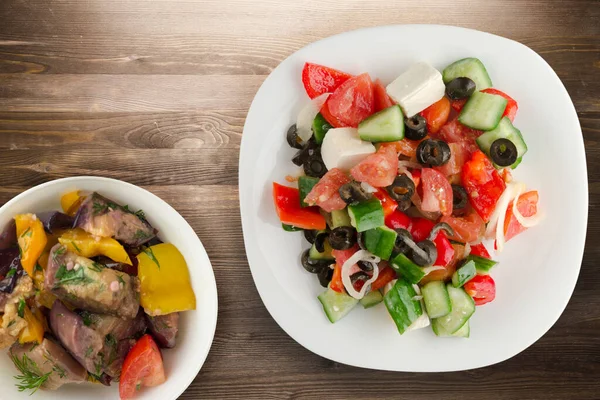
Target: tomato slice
379, 169
143, 367
319, 79
397, 220
341, 256
382, 100
467, 229
437, 192
457, 105
483, 184
333, 121
527, 206
389, 205
446, 273
420, 228
511, 106
480, 250
437, 114
325, 193
290, 212
352, 101
416, 176
482, 289
458, 156
455, 132
386, 275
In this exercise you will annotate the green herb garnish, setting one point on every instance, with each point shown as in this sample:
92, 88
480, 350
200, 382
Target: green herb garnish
28, 232
89, 351
148, 251
58, 252
141, 234
11, 323
75, 246
38, 267
21, 308
11, 272
86, 316
75, 276
97, 267
120, 279
31, 378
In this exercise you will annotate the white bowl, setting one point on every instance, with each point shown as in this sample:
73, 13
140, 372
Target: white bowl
196, 329
537, 270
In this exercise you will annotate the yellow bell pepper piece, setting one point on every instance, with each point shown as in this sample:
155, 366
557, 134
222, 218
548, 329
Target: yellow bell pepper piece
32, 240
34, 331
71, 201
83, 244
165, 285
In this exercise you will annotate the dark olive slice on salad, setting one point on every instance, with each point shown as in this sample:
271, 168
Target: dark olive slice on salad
360, 239
325, 275
365, 266
430, 255
309, 149
359, 276
342, 238
460, 200
402, 188
440, 226
404, 205
353, 193
415, 127
503, 152
320, 241
433, 152
314, 166
460, 88
400, 245
311, 265
292, 137
310, 235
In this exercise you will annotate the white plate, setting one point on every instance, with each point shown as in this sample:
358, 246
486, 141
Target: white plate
537, 271
196, 329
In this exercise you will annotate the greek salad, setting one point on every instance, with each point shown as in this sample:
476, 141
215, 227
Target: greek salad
89, 294
401, 187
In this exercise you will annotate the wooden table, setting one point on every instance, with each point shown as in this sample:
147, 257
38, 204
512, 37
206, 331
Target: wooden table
155, 93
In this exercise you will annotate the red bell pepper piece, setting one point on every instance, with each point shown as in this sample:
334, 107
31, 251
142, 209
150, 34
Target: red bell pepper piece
386, 275
416, 176
480, 250
445, 251
290, 212
511, 106
421, 228
398, 219
389, 205
336, 280
482, 289
483, 184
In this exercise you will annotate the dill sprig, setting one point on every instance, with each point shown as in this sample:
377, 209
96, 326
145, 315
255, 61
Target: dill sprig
31, 378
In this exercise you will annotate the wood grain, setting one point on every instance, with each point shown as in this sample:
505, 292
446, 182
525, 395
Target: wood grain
155, 92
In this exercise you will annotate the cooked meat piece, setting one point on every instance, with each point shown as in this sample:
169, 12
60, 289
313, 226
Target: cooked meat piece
164, 328
49, 358
103, 217
11, 324
128, 269
91, 286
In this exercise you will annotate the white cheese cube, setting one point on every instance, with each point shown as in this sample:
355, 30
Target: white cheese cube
417, 88
343, 149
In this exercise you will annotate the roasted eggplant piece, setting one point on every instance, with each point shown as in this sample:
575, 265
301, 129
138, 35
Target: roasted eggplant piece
10, 269
164, 328
8, 237
48, 359
128, 269
54, 221
103, 217
90, 285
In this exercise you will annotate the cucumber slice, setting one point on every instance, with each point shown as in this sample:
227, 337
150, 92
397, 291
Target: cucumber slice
483, 111
371, 299
470, 68
380, 241
463, 307
305, 185
340, 218
482, 264
407, 269
436, 298
464, 274
401, 306
385, 126
325, 255
463, 332
366, 215
504, 130
336, 305
320, 127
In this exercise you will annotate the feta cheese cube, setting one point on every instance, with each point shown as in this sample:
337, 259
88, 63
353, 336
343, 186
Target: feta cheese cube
417, 88
342, 148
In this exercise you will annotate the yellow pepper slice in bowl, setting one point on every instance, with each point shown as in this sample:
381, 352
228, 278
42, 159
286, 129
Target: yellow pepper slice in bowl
71, 201
31, 238
83, 244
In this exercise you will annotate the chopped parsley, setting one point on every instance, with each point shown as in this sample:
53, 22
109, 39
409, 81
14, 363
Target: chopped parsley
148, 251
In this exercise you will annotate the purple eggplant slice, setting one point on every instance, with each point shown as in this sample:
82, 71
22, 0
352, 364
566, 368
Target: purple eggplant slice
55, 220
164, 329
128, 269
10, 269
8, 236
90, 285
49, 361
100, 216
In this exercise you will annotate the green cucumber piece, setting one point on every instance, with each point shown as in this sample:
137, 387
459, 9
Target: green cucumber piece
463, 332
385, 126
504, 130
366, 215
470, 68
340, 218
407, 269
290, 228
371, 299
325, 255
483, 111
380, 241
463, 307
320, 127
482, 265
464, 274
436, 299
336, 305
401, 306
305, 185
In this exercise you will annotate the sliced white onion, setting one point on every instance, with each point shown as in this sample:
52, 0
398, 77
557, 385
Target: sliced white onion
368, 188
417, 298
467, 250
409, 164
527, 222
361, 255
307, 116
416, 199
429, 270
501, 206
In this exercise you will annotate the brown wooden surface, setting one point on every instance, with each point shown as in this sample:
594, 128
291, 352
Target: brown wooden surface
155, 92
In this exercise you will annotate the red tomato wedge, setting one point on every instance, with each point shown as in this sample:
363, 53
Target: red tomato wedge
480, 250
389, 205
341, 256
458, 156
398, 219
482, 289
386, 275
325, 193
379, 169
483, 184
527, 206
290, 212
437, 192
319, 79
467, 229
352, 101
455, 132
333, 121
446, 273
511, 106
143, 367
437, 114
457, 105
382, 100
